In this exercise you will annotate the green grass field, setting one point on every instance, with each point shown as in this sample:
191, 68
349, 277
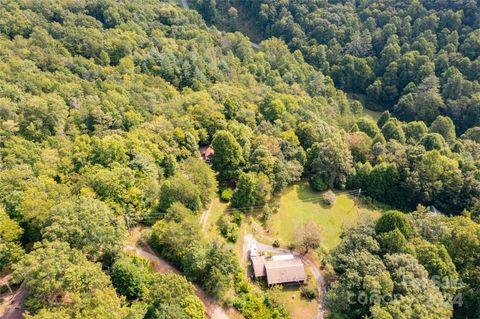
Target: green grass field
297, 306
368, 106
218, 209
300, 204
374, 115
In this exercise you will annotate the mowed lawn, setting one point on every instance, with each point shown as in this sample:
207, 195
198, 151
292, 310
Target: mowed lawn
299, 204
297, 306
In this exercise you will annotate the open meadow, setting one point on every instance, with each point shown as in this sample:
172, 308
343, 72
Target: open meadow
299, 204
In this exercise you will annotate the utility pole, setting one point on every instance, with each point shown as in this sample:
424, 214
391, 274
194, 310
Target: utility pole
5, 282
127, 219
359, 192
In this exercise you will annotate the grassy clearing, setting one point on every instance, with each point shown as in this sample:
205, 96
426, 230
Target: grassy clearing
368, 106
374, 115
175, 2
297, 306
300, 204
218, 209
291, 297
134, 236
212, 233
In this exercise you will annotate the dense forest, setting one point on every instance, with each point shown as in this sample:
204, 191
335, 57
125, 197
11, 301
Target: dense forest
408, 266
416, 58
105, 103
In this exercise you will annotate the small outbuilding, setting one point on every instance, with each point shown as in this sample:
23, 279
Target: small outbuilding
258, 265
206, 153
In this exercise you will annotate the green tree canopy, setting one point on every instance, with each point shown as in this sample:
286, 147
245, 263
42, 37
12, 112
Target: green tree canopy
392, 220
86, 224
228, 155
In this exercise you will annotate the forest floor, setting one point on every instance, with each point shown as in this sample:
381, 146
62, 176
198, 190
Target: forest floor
247, 24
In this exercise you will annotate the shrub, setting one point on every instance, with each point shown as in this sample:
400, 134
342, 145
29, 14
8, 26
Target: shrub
145, 237
317, 183
276, 243
131, 276
226, 195
237, 217
267, 213
329, 198
227, 228
309, 293
3, 289
392, 220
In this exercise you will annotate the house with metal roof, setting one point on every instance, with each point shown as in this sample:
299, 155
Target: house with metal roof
279, 270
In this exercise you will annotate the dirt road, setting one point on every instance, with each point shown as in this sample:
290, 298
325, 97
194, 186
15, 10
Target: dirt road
214, 311
185, 4
15, 309
205, 215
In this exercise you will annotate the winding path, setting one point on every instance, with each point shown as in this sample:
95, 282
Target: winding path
205, 215
15, 309
248, 240
254, 45
214, 311
185, 4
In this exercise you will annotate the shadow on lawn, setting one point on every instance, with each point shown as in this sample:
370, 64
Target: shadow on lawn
306, 194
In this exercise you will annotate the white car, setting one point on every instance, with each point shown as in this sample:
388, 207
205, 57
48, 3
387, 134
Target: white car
253, 250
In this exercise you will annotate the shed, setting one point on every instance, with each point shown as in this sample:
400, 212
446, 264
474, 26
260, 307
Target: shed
206, 152
258, 265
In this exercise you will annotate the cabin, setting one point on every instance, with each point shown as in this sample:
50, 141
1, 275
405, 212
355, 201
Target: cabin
206, 153
279, 270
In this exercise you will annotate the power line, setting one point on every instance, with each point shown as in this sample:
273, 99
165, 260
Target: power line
156, 215
230, 208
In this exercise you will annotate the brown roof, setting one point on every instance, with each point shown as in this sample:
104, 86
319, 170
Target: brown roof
279, 271
258, 265
206, 152
285, 271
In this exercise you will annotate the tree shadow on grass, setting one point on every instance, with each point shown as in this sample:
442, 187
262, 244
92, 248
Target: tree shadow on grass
308, 195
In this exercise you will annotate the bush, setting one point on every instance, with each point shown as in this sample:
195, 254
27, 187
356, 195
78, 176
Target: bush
329, 198
131, 277
276, 243
237, 217
317, 183
3, 289
227, 228
226, 195
267, 213
309, 293
392, 220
